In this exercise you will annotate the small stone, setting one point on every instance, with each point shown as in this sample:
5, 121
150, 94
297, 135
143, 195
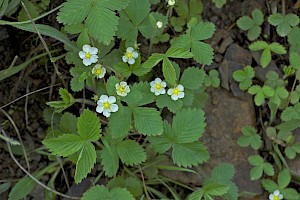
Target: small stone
238, 54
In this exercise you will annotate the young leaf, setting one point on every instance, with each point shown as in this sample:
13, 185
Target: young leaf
133, 185
291, 112
244, 77
130, 152
147, 121
165, 101
260, 93
212, 79
219, 3
169, 71
259, 167
102, 193
292, 150
249, 137
258, 45
284, 178
277, 48
283, 23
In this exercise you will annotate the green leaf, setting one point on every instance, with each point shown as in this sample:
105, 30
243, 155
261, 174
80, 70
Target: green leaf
64, 145
224, 172
203, 31
119, 124
101, 193
293, 39
258, 45
4, 187
219, 3
212, 79
131, 153
148, 121
290, 193
283, 23
284, 178
258, 17
175, 52
260, 167
203, 53
162, 143
291, 112
215, 189
261, 93
295, 60
122, 69
192, 78
256, 172
111, 85
133, 185
289, 125
89, 126
146, 67
166, 101
244, 77
109, 160
188, 125
76, 84
189, 154
137, 11
268, 169
245, 23
249, 137
169, 71
277, 48
86, 161
68, 123
265, 58
269, 185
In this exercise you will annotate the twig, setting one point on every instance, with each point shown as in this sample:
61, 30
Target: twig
144, 184
283, 7
32, 177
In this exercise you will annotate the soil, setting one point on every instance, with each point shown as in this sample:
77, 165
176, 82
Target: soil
225, 104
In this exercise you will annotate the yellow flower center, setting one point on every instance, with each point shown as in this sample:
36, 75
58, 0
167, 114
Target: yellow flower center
98, 71
158, 86
121, 89
106, 105
88, 55
276, 198
129, 55
176, 91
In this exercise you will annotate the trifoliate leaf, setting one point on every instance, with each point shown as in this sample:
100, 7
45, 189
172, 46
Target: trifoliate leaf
244, 77
119, 123
147, 121
166, 101
291, 113
283, 23
245, 23
131, 153
212, 79
89, 126
249, 137
292, 150
169, 71
259, 167
101, 193
284, 178
189, 154
273, 80
64, 145
261, 93
192, 78
86, 161
280, 93
188, 125
109, 160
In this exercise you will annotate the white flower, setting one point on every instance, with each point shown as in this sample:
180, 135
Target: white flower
99, 71
88, 55
106, 105
130, 56
176, 92
159, 24
171, 2
122, 89
275, 195
158, 86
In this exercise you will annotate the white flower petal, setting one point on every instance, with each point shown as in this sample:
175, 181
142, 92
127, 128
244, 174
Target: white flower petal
180, 87
124, 58
114, 107
106, 113
94, 58
87, 62
163, 84
271, 196
280, 196
99, 109
276, 192
124, 84
163, 91
170, 91
157, 80
135, 54
131, 61
103, 98
86, 48
157, 93
180, 95
111, 99
117, 86
93, 50
81, 54
174, 97
129, 49
152, 83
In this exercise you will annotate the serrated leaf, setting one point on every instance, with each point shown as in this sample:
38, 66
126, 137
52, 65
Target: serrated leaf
258, 45
203, 31
188, 125
290, 193
256, 172
189, 154
76, 84
203, 53
283, 23
169, 71
249, 137
269, 185
257, 16
223, 172
268, 169
109, 160
284, 178
175, 52
254, 33
119, 124
148, 121
89, 126
244, 77
265, 58
245, 23
131, 153
294, 60
133, 185
146, 67
101, 193
68, 123
277, 48
192, 78
255, 160
219, 3
291, 113
86, 161
138, 10
64, 145
166, 101
139, 95
212, 79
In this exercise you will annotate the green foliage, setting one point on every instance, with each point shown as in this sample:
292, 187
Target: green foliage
283, 180
244, 77
266, 58
133, 185
212, 79
188, 125
293, 39
292, 150
251, 25
261, 93
291, 113
219, 3
203, 53
249, 137
295, 95
88, 128
67, 101
283, 23
260, 166
99, 192
99, 16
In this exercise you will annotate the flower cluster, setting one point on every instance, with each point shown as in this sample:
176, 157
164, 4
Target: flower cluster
275, 195
158, 87
130, 56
